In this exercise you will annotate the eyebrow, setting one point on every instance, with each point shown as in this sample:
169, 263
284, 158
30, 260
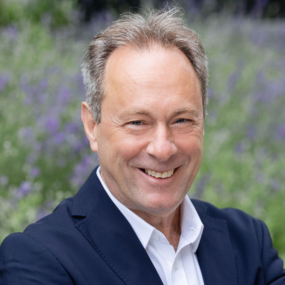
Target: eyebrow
191, 110
138, 112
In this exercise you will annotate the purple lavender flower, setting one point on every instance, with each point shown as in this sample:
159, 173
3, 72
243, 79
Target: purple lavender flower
234, 77
80, 144
276, 88
58, 138
72, 127
25, 188
64, 95
26, 134
281, 132
35, 93
267, 90
42, 85
251, 132
258, 37
239, 148
11, 32
34, 172
52, 125
4, 79
81, 170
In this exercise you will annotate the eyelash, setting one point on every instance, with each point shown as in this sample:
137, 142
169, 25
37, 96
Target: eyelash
136, 123
140, 123
184, 121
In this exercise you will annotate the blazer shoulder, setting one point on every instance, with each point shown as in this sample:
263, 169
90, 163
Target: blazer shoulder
240, 225
230, 215
23, 258
53, 232
249, 238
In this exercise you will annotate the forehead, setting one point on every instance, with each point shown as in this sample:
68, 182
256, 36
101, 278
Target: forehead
144, 75
130, 62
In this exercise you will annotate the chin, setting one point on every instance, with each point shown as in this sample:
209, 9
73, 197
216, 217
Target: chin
157, 207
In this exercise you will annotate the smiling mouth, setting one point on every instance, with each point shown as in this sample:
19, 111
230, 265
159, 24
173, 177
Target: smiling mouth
156, 174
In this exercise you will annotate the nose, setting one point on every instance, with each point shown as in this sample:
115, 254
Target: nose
161, 145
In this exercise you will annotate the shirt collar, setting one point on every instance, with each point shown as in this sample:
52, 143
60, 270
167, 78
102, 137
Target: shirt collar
191, 225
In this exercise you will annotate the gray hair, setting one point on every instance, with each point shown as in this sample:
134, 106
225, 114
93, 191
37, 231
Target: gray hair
166, 28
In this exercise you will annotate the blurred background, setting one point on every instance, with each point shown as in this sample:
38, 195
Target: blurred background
44, 154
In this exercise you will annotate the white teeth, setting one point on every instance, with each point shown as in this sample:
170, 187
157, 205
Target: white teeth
155, 174
164, 174
158, 174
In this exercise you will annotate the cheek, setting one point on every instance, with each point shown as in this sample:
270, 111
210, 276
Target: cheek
129, 146
118, 152
190, 145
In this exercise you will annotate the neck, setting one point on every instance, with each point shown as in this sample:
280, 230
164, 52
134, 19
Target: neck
169, 225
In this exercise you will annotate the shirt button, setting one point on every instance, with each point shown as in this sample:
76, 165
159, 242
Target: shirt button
175, 267
191, 229
156, 237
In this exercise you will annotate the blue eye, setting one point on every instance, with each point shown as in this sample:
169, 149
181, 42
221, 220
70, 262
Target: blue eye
137, 123
181, 121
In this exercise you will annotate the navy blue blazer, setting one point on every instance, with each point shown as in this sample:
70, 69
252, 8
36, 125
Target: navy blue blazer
87, 240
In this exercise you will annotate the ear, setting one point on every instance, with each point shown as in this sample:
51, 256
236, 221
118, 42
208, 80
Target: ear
89, 125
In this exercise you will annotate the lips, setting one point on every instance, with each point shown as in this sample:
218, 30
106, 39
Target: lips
157, 174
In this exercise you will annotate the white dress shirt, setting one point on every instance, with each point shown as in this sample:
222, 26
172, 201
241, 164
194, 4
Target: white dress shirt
174, 268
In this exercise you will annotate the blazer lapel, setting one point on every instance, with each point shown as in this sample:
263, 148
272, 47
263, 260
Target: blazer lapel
111, 235
215, 254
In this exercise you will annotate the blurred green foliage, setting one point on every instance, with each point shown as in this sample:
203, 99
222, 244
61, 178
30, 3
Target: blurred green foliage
56, 12
243, 164
40, 93
45, 157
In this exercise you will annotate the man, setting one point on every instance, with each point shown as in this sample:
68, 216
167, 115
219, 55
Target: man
132, 221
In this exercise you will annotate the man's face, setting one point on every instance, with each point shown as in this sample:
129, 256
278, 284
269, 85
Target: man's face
150, 139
